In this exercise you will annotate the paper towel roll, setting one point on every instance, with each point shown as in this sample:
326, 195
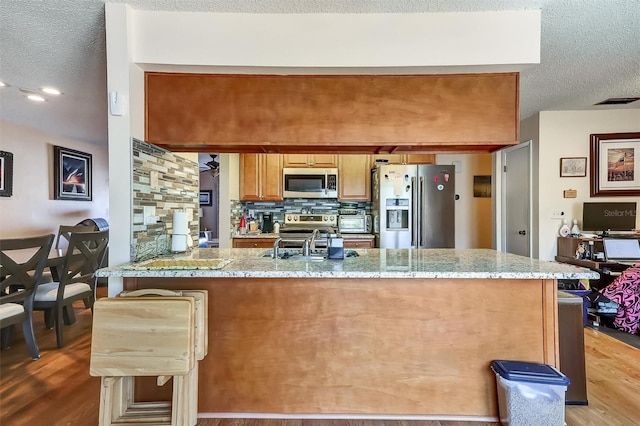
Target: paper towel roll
180, 224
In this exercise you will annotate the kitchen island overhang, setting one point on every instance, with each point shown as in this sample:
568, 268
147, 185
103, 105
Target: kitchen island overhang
391, 333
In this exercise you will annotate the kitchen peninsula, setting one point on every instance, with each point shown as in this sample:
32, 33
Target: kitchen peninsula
402, 333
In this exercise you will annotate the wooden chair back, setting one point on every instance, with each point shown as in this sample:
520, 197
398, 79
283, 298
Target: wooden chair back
64, 234
20, 268
84, 256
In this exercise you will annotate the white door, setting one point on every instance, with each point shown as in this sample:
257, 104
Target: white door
516, 199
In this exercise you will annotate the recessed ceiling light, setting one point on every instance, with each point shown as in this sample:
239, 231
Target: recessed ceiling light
3, 84
50, 90
36, 98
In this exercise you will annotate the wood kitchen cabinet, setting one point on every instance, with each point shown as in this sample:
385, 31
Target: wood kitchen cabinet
354, 177
367, 114
354, 243
420, 159
391, 158
310, 160
404, 158
253, 242
261, 177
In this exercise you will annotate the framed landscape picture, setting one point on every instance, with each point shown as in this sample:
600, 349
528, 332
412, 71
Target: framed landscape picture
573, 166
6, 174
205, 197
615, 161
72, 174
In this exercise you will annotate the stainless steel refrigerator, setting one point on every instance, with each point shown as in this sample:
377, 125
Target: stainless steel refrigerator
413, 205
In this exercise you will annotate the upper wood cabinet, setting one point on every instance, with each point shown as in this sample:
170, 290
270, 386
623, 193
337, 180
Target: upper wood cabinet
354, 177
399, 114
261, 177
404, 158
391, 158
310, 160
420, 159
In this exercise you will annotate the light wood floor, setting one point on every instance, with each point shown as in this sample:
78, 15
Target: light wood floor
57, 389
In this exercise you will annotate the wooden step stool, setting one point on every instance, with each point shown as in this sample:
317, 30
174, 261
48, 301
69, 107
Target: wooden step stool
149, 332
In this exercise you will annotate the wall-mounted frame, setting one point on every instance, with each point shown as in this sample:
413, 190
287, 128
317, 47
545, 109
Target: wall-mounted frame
205, 197
72, 174
573, 166
482, 186
615, 163
6, 174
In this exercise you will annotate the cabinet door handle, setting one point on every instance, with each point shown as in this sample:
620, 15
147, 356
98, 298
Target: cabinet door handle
523, 232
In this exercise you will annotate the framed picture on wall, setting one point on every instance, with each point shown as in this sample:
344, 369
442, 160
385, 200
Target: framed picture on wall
573, 167
72, 174
6, 174
205, 197
615, 163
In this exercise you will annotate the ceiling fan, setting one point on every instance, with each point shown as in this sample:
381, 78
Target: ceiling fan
214, 166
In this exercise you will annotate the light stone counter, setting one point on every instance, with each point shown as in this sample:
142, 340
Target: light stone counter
371, 263
390, 334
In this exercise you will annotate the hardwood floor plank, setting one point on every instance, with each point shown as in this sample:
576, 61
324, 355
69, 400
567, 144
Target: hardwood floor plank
58, 390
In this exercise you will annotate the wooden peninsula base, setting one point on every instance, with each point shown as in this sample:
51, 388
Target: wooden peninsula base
350, 347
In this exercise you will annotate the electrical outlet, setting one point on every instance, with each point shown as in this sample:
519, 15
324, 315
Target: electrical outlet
149, 214
558, 214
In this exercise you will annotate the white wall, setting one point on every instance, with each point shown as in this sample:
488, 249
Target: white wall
566, 134
229, 190
32, 210
338, 40
473, 214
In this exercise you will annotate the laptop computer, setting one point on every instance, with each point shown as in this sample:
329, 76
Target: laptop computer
619, 250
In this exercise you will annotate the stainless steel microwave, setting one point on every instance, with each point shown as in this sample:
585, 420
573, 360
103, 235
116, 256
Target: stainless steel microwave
310, 183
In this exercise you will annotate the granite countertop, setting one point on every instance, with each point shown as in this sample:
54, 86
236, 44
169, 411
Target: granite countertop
274, 235
371, 263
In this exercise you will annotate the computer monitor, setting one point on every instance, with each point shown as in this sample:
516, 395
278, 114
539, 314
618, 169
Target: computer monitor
605, 217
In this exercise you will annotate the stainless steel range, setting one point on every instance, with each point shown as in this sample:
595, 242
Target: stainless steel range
300, 227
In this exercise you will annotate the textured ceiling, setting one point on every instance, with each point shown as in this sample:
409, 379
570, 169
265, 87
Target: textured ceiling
590, 51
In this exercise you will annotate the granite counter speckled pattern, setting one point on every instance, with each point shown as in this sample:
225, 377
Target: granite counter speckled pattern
371, 263
273, 235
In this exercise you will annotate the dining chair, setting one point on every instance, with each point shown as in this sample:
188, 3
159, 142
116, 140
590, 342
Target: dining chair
64, 234
77, 280
59, 245
18, 283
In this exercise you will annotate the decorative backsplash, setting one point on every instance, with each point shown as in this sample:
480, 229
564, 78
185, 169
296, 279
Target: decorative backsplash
177, 189
292, 205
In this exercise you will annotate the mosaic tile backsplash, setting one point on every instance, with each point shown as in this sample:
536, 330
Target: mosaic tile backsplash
178, 189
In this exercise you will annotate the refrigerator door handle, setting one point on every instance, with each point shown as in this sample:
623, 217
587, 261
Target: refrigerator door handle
419, 202
414, 212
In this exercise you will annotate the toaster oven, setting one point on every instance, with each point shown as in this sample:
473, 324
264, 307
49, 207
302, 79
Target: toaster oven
354, 224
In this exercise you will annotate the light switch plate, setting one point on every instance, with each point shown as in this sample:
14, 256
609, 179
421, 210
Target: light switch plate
153, 179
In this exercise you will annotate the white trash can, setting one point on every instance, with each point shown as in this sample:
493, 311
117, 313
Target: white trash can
530, 394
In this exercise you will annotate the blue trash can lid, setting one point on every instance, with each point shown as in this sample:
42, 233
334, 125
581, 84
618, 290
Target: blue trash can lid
530, 372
